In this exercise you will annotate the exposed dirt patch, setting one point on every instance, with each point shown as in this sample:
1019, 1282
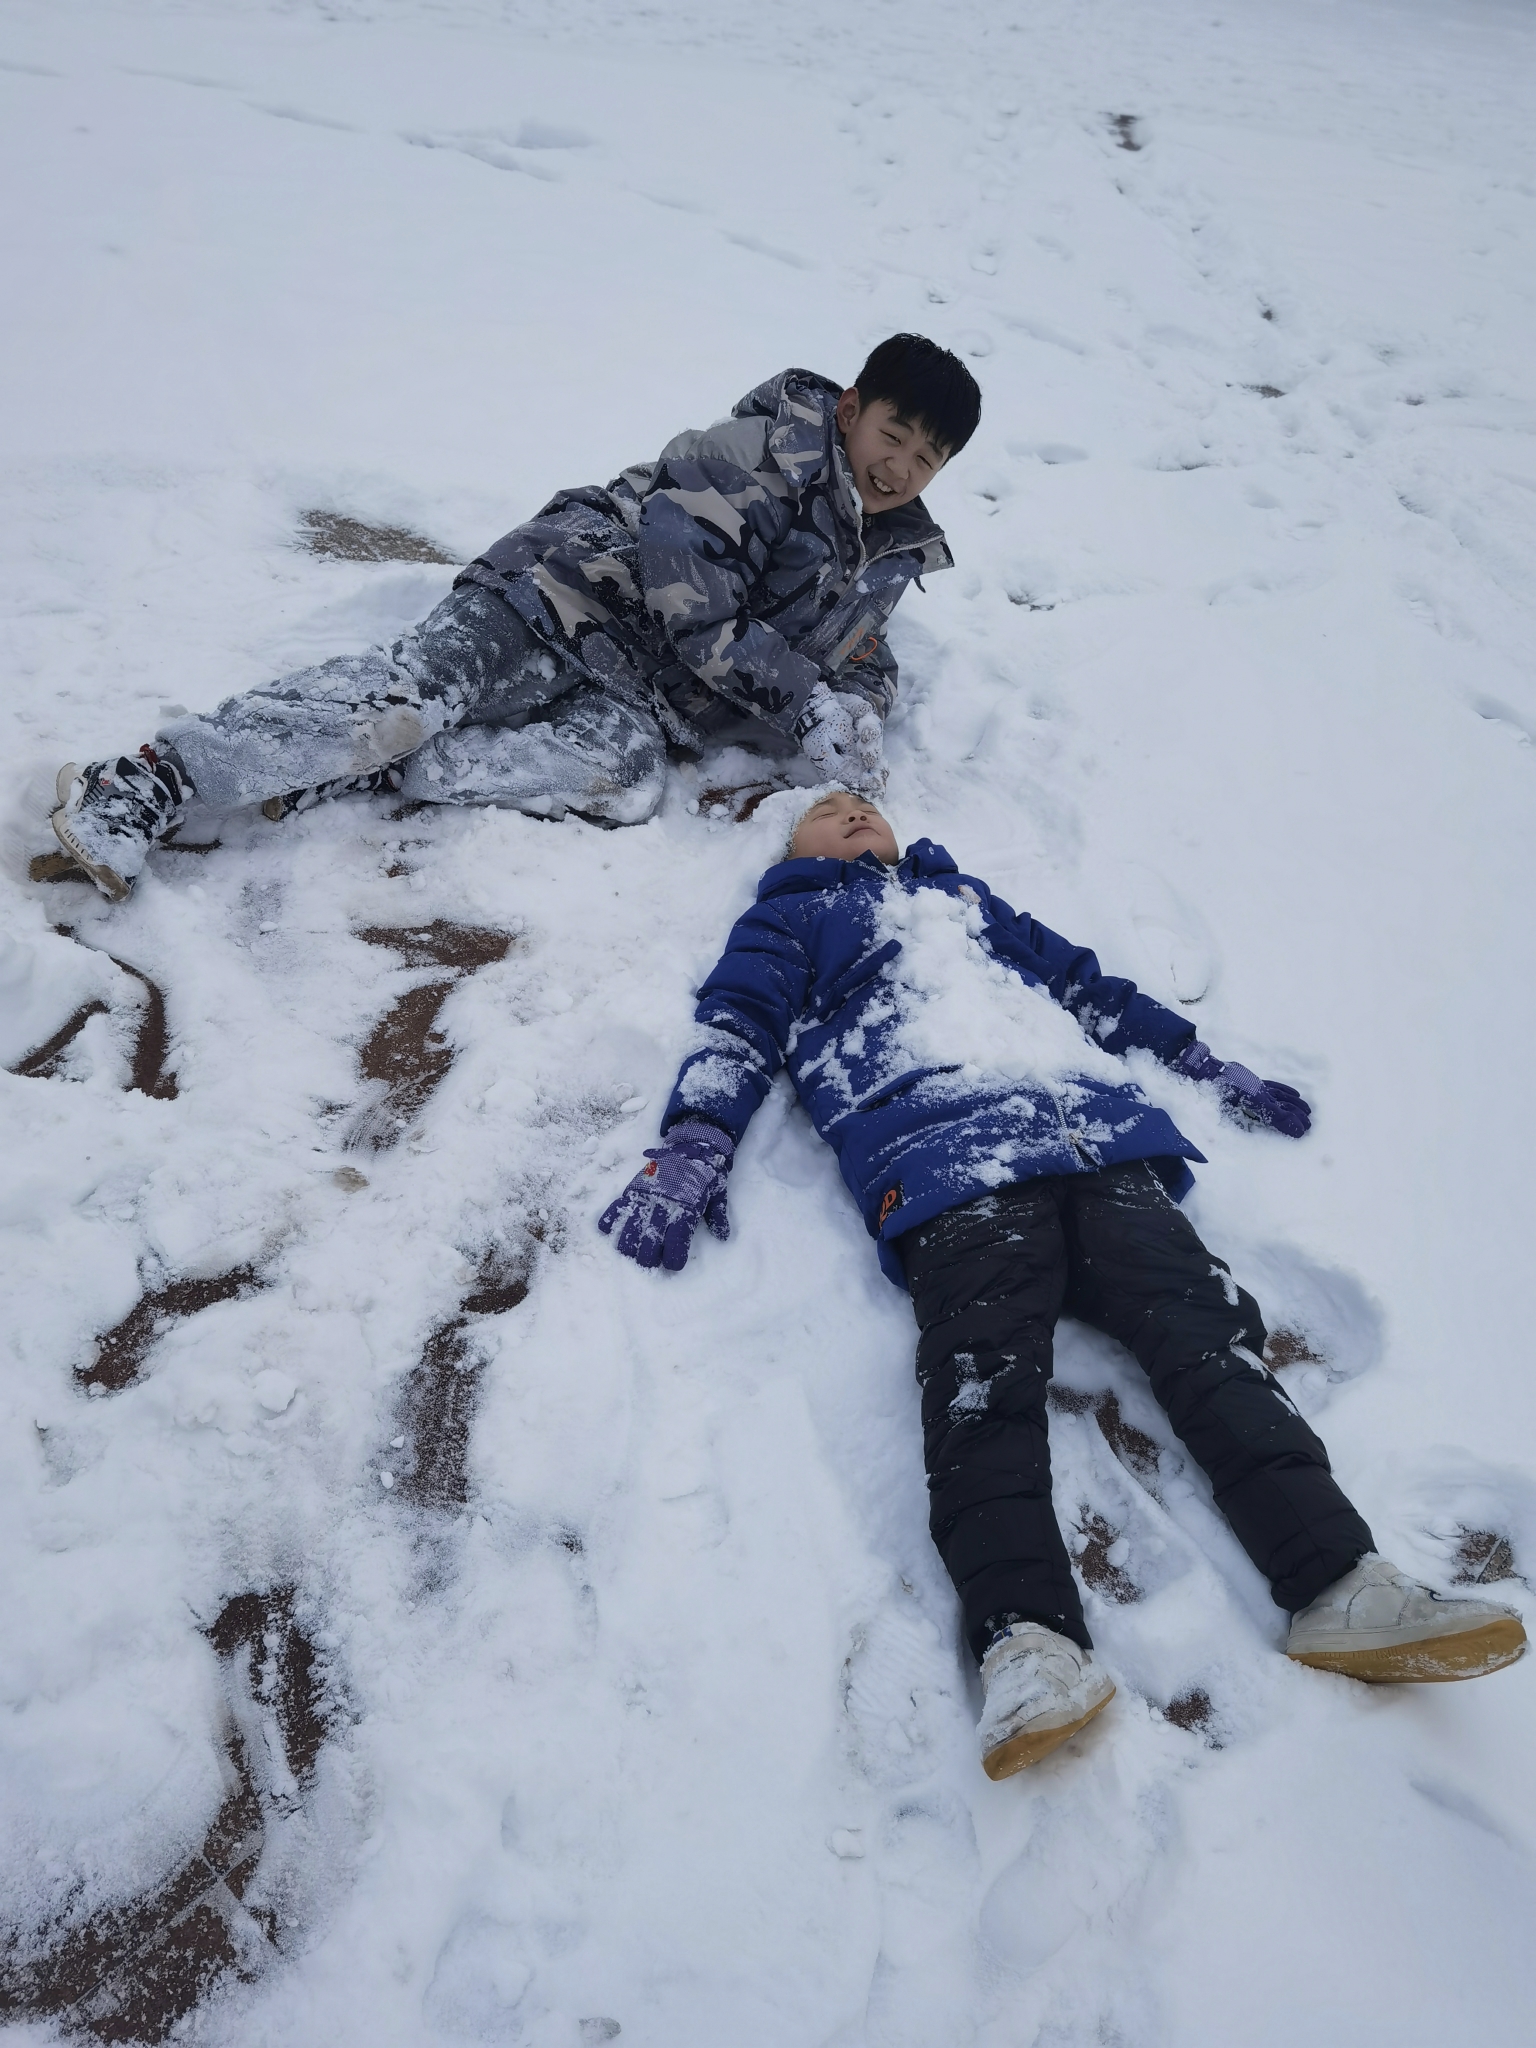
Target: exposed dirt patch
1193, 1711
1483, 1558
150, 1045
336, 538
153, 1044
147, 1075
56, 867
1265, 390
42, 1064
133, 1972
1290, 1347
1132, 1446
120, 1354
286, 1670
1137, 1452
738, 803
438, 1401
441, 944
405, 1050
1127, 128
1112, 1580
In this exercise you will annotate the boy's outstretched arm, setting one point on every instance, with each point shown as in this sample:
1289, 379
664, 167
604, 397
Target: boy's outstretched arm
1116, 1013
747, 1008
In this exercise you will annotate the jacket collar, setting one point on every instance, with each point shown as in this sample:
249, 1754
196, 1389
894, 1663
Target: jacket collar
805, 444
805, 877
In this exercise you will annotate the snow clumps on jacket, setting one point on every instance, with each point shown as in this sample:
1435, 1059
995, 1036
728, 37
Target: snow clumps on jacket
943, 1044
729, 576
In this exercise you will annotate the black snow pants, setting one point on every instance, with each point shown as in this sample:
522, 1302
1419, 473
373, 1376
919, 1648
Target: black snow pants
988, 1281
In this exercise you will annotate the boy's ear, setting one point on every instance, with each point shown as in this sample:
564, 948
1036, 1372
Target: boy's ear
847, 409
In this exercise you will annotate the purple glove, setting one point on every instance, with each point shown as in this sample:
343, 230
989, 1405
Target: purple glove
1244, 1095
661, 1208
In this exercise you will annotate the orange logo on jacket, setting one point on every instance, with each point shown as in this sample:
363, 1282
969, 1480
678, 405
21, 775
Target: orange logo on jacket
890, 1200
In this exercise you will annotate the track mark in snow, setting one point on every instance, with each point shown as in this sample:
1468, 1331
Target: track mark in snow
42, 1064
152, 1045
758, 247
427, 1459
120, 1354
1127, 128
1137, 1451
146, 1068
500, 152
335, 537
133, 1972
1096, 1558
293, 1681
281, 113
405, 1051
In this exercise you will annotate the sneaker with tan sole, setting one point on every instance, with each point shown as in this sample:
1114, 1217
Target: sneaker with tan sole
1039, 1688
112, 812
1379, 1625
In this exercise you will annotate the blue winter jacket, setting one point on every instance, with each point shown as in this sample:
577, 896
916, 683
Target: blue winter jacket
808, 979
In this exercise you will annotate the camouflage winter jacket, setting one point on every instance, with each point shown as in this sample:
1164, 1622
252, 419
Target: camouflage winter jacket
728, 576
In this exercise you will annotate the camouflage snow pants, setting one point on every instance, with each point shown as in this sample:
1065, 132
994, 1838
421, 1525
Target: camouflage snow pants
466, 708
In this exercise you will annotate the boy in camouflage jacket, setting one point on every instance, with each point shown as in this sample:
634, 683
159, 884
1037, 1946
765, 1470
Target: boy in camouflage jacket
737, 587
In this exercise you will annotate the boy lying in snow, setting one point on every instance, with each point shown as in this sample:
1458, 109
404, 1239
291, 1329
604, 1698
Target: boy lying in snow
961, 1062
739, 586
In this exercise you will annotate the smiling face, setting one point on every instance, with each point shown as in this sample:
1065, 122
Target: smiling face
892, 458
841, 827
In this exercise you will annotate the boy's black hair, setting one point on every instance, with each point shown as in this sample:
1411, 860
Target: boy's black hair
927, 385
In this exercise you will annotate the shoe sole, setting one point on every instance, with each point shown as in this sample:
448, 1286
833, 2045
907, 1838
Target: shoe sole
1471, 1653
1031, 1744
108, 880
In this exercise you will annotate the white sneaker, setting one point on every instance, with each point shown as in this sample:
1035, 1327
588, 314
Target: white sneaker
1381, 1626
1039, 1689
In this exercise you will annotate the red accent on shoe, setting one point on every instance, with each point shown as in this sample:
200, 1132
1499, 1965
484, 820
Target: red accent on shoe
150, 756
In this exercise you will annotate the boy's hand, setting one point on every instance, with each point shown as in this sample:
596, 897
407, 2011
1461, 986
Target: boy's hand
841, 734
664, 1203
1244, 1096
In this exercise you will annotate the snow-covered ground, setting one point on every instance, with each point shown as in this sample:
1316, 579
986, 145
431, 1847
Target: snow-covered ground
667, 1729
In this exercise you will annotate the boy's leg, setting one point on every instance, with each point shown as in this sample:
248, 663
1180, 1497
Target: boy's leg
987, 1281
470, 660
590, 753
1139, 1271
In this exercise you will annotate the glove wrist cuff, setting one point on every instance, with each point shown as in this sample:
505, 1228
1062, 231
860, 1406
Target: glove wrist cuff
699, 1131
1198, 1063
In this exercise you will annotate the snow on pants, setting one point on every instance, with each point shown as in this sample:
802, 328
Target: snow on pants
470, 705
988, 1281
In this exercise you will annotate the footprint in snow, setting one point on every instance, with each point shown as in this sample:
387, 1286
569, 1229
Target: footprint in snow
922, 1988
902, 1695
135, 1970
